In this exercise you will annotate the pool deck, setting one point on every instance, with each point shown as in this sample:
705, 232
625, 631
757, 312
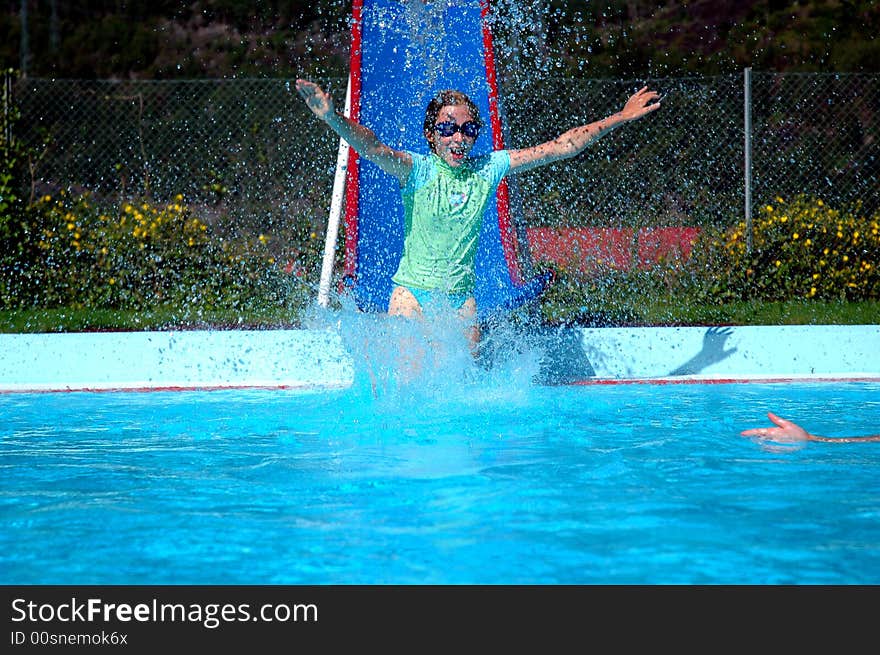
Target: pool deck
318, 359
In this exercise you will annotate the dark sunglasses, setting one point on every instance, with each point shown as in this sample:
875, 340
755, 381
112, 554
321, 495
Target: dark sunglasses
448, 128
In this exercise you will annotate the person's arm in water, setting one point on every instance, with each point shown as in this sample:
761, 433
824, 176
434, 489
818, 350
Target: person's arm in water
572, 143
362, 139
787, 432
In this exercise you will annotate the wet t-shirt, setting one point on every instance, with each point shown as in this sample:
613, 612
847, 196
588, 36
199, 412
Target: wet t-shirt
443, 213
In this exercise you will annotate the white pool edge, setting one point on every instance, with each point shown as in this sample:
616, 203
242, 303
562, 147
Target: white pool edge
311, 359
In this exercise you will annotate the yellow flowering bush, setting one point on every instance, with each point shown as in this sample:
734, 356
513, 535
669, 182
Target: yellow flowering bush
800, 249
77, 252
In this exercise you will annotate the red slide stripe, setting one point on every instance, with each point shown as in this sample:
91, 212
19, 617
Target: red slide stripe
351, 186
505, 223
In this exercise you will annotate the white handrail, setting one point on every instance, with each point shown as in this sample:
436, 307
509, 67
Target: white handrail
335, 211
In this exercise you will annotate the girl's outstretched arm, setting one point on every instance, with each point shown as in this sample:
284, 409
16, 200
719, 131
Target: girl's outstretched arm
573, 142
362, 139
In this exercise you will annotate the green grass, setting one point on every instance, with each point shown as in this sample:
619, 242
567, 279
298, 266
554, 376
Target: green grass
161, 318
760, 313
642, 313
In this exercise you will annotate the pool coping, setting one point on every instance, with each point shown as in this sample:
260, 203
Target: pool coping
316, 359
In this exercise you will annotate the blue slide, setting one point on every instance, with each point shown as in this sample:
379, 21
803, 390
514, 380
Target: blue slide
403, 52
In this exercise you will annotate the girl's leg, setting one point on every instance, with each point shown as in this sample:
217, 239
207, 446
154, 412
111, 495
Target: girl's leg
412, 355
468, 312
404, 303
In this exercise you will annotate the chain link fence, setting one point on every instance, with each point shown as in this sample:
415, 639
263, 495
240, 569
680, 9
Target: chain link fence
248, 151
685, 164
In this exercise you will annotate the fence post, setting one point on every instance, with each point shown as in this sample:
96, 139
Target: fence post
8, 101
747, 130
24, 44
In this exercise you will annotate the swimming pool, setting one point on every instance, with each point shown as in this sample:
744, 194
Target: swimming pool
483, 479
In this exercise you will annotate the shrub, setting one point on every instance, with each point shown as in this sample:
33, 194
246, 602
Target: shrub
802, 249
139, 255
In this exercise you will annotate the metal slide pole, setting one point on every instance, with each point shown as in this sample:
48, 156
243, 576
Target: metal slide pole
335, 211
747, 127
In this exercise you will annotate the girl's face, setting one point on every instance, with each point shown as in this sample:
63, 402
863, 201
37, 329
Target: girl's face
453, 149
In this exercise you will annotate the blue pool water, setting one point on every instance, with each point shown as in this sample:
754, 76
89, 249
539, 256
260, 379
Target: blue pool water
462, 482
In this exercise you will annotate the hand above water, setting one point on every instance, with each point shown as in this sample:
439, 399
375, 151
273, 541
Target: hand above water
789, 432
785, 432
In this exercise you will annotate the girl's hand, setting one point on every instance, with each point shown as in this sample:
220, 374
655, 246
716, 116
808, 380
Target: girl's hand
320, 102
640, 103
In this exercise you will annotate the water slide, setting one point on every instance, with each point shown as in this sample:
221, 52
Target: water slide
402, 53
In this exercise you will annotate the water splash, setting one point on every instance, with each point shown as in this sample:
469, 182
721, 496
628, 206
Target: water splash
427, 46
406, 365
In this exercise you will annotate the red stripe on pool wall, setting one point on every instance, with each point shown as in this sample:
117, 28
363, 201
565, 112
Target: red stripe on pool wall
575, 383
180, 388
662, 381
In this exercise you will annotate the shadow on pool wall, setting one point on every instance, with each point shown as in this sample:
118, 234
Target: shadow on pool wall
318, 358
759, 353
762, 353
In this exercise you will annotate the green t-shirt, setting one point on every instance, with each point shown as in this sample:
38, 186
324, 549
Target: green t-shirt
443, 213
